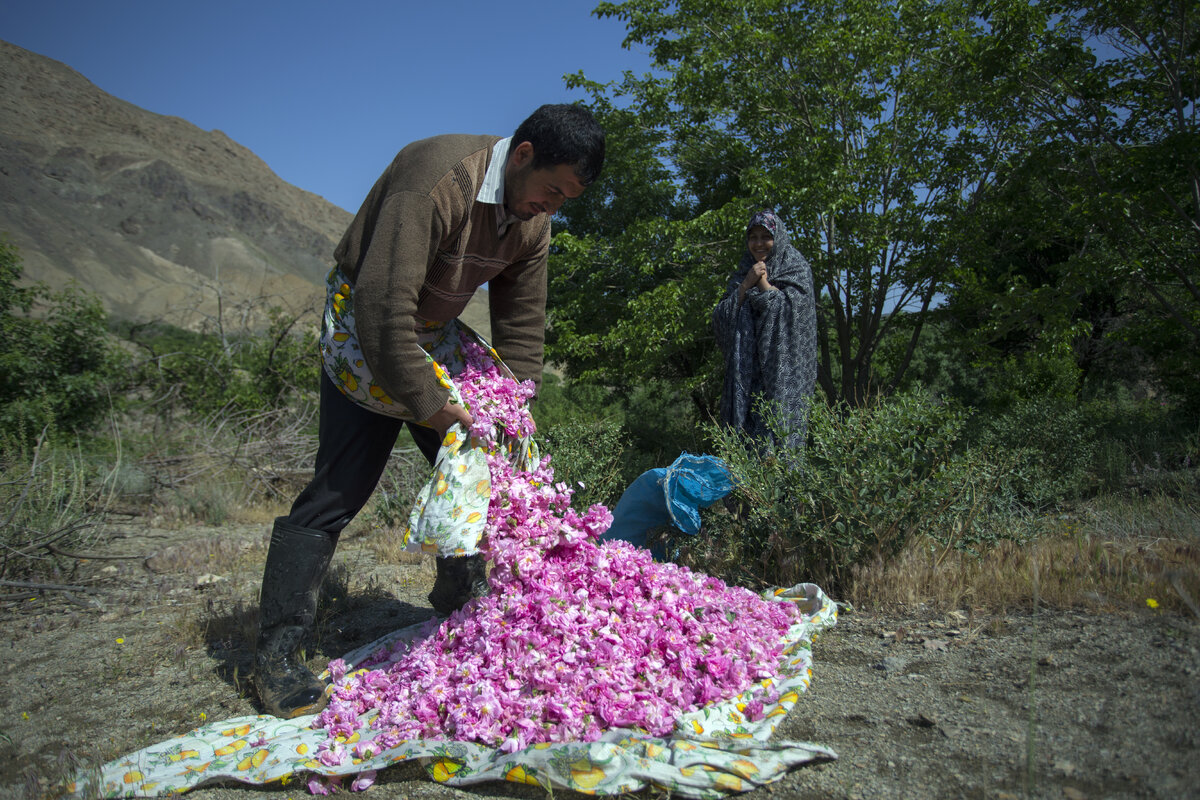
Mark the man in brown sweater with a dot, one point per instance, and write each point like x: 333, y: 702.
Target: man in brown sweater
x: 449, y: 214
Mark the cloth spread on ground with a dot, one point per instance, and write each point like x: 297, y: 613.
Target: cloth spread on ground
x: 713, y: 751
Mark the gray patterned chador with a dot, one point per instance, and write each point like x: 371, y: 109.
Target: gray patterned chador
x: 766, y: 325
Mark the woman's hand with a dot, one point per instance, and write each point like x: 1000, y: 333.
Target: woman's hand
x: 755, y: 276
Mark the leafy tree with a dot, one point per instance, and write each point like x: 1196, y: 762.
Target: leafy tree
x: 57, y: 364
x: 861, y: 121
x: 1113, y: 98
x: 618, y: 273
x: 1087, y: 245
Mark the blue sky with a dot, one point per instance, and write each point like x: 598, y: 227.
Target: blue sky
x: 327, y: 92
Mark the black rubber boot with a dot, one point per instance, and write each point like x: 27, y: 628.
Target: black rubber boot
x: 296, y: 563
x: 459, y: 579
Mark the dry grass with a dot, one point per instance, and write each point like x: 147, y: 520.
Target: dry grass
x: 1114, y: 554
x: 225, y: 556
x: 227, y: 568
x: 50, y: 505
x: 386, y: 545
x: 228, y: 467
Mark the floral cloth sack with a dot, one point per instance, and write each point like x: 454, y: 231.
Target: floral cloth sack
x: 451, y: 510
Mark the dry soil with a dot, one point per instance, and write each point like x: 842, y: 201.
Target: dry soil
x: 1057, y: 704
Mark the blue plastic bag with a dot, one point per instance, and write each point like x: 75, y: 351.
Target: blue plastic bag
x: 670, y: 495
x: 693, y: 483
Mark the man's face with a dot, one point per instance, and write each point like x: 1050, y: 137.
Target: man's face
x: 529, y: 192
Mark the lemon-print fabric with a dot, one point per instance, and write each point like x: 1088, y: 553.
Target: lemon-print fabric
x: 451, y: 510
x: 344, y: 363
x: 714, y: 752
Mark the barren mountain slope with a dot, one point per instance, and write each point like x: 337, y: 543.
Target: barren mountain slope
x: 148, y: 211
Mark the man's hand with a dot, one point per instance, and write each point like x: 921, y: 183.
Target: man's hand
x: 450, y: 414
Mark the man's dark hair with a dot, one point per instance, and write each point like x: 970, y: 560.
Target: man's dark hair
x: 564, y: 134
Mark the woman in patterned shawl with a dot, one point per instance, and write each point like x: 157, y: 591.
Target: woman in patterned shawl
x: 766, y: 325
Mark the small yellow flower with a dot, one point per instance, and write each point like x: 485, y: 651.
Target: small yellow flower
x: 120, y: 640
x: 1150, y: 601
x: 203, y: 716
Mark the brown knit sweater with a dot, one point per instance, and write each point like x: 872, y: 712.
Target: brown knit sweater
x: 419, y: 248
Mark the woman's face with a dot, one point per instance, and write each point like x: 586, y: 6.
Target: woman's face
x: 759, y: 242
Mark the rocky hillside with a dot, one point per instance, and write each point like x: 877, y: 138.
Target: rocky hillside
x: 161, y: 219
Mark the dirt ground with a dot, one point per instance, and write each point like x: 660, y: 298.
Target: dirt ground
x: 1057, y: 705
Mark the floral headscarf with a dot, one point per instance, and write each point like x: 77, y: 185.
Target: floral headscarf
x: 767, y: 219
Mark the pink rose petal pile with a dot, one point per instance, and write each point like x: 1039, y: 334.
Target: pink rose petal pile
x: 576, y: 636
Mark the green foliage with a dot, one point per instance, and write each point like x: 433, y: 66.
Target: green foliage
x: 1049, y: 445
x: 637, y: 271
x: 1140, y: 439
x: 635, y: 312
x: 583, y: 431
x: 661, y: 424
x: 647, y: 426
x: 58, y: 367
x: 560, y: 401
x: 254, y: 371
x: 1028, y: 415
x: 867, y: 125
x: 1155, y: 350
x: 872, y: 478
x: 1093, y: 230
x: 1017, y: 379
x: 1031, y: 163
x: 587, y: 455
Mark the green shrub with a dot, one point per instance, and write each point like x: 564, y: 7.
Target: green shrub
x: 561, y: 401
x: 1049, y: 445
x: 871, y: 479
x: 1137, y: 435
x: 252, y: 371
x: 587, y: 455
x: 660, y: 423
x: 656, y: 423
x: 57, y: 364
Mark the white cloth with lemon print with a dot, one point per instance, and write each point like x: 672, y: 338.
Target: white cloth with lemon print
x: 451, y: 510
x: 713, y: 752
x: 346, y: 366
